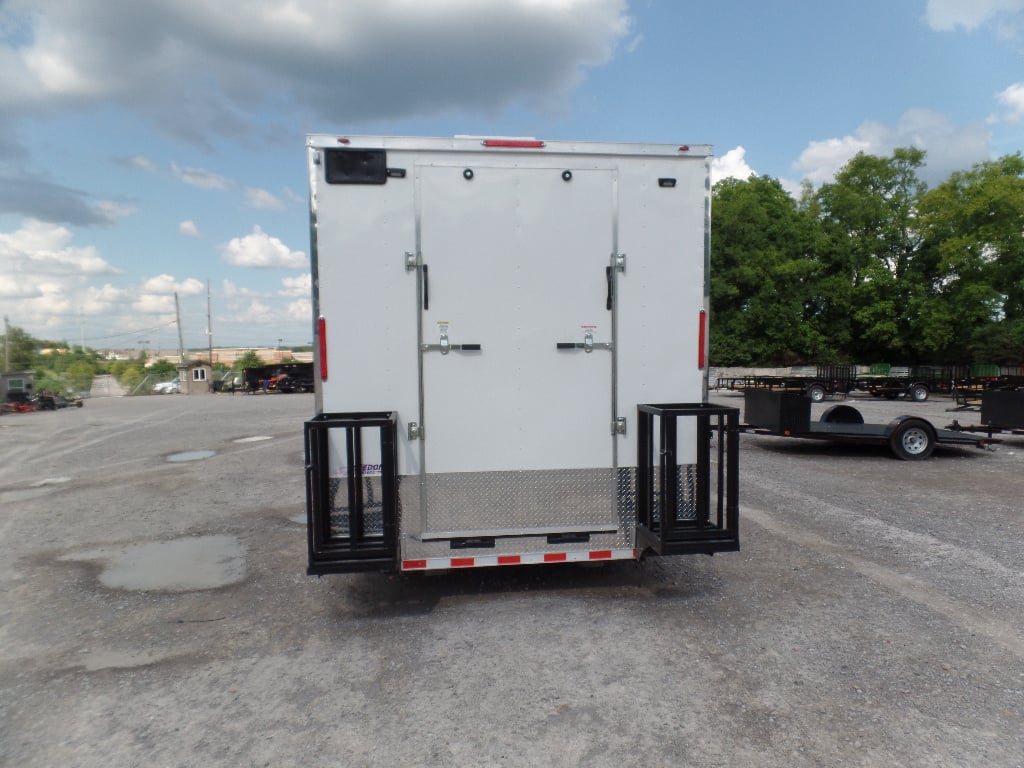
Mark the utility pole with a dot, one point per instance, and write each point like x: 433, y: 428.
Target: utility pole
x: 209, y: 330
x: 7, y: 345
x: 181, y: 340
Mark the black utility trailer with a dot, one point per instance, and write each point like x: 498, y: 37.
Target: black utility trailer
x: 788, y: 414
x: 1002, y: 411
x: 817, y: 384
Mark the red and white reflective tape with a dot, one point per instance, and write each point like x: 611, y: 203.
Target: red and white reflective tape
x: 532, y: 558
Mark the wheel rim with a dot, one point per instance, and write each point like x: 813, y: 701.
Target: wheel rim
x: 920, y: 393
x: 915, y: 441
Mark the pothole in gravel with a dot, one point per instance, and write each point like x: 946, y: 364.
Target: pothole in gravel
x: 191, y: 455
x: 182, y: 565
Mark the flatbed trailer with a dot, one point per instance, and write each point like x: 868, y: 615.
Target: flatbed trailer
x: 825, y: 380
x: 1002, y: 412
x: 788, y: 414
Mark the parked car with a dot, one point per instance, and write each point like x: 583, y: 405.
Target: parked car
x: 171, y: 387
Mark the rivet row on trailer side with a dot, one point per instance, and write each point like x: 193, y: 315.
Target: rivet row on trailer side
x: 510, y: 355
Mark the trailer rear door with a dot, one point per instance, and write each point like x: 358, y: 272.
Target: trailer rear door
x: 516, y: 357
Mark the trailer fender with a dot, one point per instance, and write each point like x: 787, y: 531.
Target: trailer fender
x: 910, y: 438
x: 841, y: 414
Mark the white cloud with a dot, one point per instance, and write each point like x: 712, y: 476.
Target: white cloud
x: 111, y: 211
x: 168, y: 285
x: 731, y: 165
x: 949, y: 147
x: 188, y: 229
x: 152, y: 303
x: 944, y: 15
x: 196, y: 72
x: 297, y: 286
x: 142, y: 164
x: 40, y: 248
x: 259, y: 249
x: 1013, y: 99
x: 201, y: 178
x: 301, y: 310
x: 97, y: 300
x: 263, y: 200
x: 44, y: 277
x: 257, y: 312
x: 231, y: 290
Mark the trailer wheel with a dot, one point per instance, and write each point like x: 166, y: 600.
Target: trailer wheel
x: 919, y: 393
x: 912, y: 440
x: 816, y: 392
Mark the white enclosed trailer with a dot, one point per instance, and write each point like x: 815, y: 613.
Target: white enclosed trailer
x: 510, y: 355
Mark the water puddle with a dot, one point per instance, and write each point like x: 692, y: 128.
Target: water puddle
x: 253, y: 439
x: 191, y: 455
x: 182, y: 565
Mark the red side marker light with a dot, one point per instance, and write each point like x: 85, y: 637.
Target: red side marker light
x: 321, y: 333
x: 702, y: 336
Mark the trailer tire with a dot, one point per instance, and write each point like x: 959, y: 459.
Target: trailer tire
x: 919, y: 393
x: 912, y: 439
x: 816, y: 392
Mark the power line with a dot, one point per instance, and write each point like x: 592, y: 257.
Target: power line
x: 129, y: 333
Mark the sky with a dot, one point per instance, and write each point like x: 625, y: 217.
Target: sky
x: 157, y: 147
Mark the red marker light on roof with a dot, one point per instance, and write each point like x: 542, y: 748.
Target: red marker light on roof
x: 684, y: 148
x: 514, y: 143
x: 343, y: 140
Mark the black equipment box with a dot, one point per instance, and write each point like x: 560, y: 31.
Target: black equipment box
x: 784, y: 412
x: 1003, y: 408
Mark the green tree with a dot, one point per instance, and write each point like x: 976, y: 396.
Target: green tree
x: 163, y: 370
x: 19, y: 350
x: 973, y: 229
x: 249, y: 360
x: 869, y: 239
x: 761, y: 277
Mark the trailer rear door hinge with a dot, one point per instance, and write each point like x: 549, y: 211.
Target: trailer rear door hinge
x: 619, y: 262
x: 619, y: 426
x: 415, y: 431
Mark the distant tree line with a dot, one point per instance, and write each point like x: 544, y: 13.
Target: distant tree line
x: 59, y: 367
x: 872, y: 267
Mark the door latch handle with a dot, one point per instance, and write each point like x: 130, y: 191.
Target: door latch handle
x: 445, y: 346
x: 588, y: 344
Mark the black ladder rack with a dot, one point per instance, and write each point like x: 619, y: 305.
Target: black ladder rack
x: 684, y: 508
x: 352, y: 519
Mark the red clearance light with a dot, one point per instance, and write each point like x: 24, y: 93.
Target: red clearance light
x: 343, y: 140
x: 321, y: 333
x: 514, y: 143
x: 702, y: 336
x: 684, y: 148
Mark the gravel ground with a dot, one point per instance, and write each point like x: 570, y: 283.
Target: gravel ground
x: 156, y: 612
